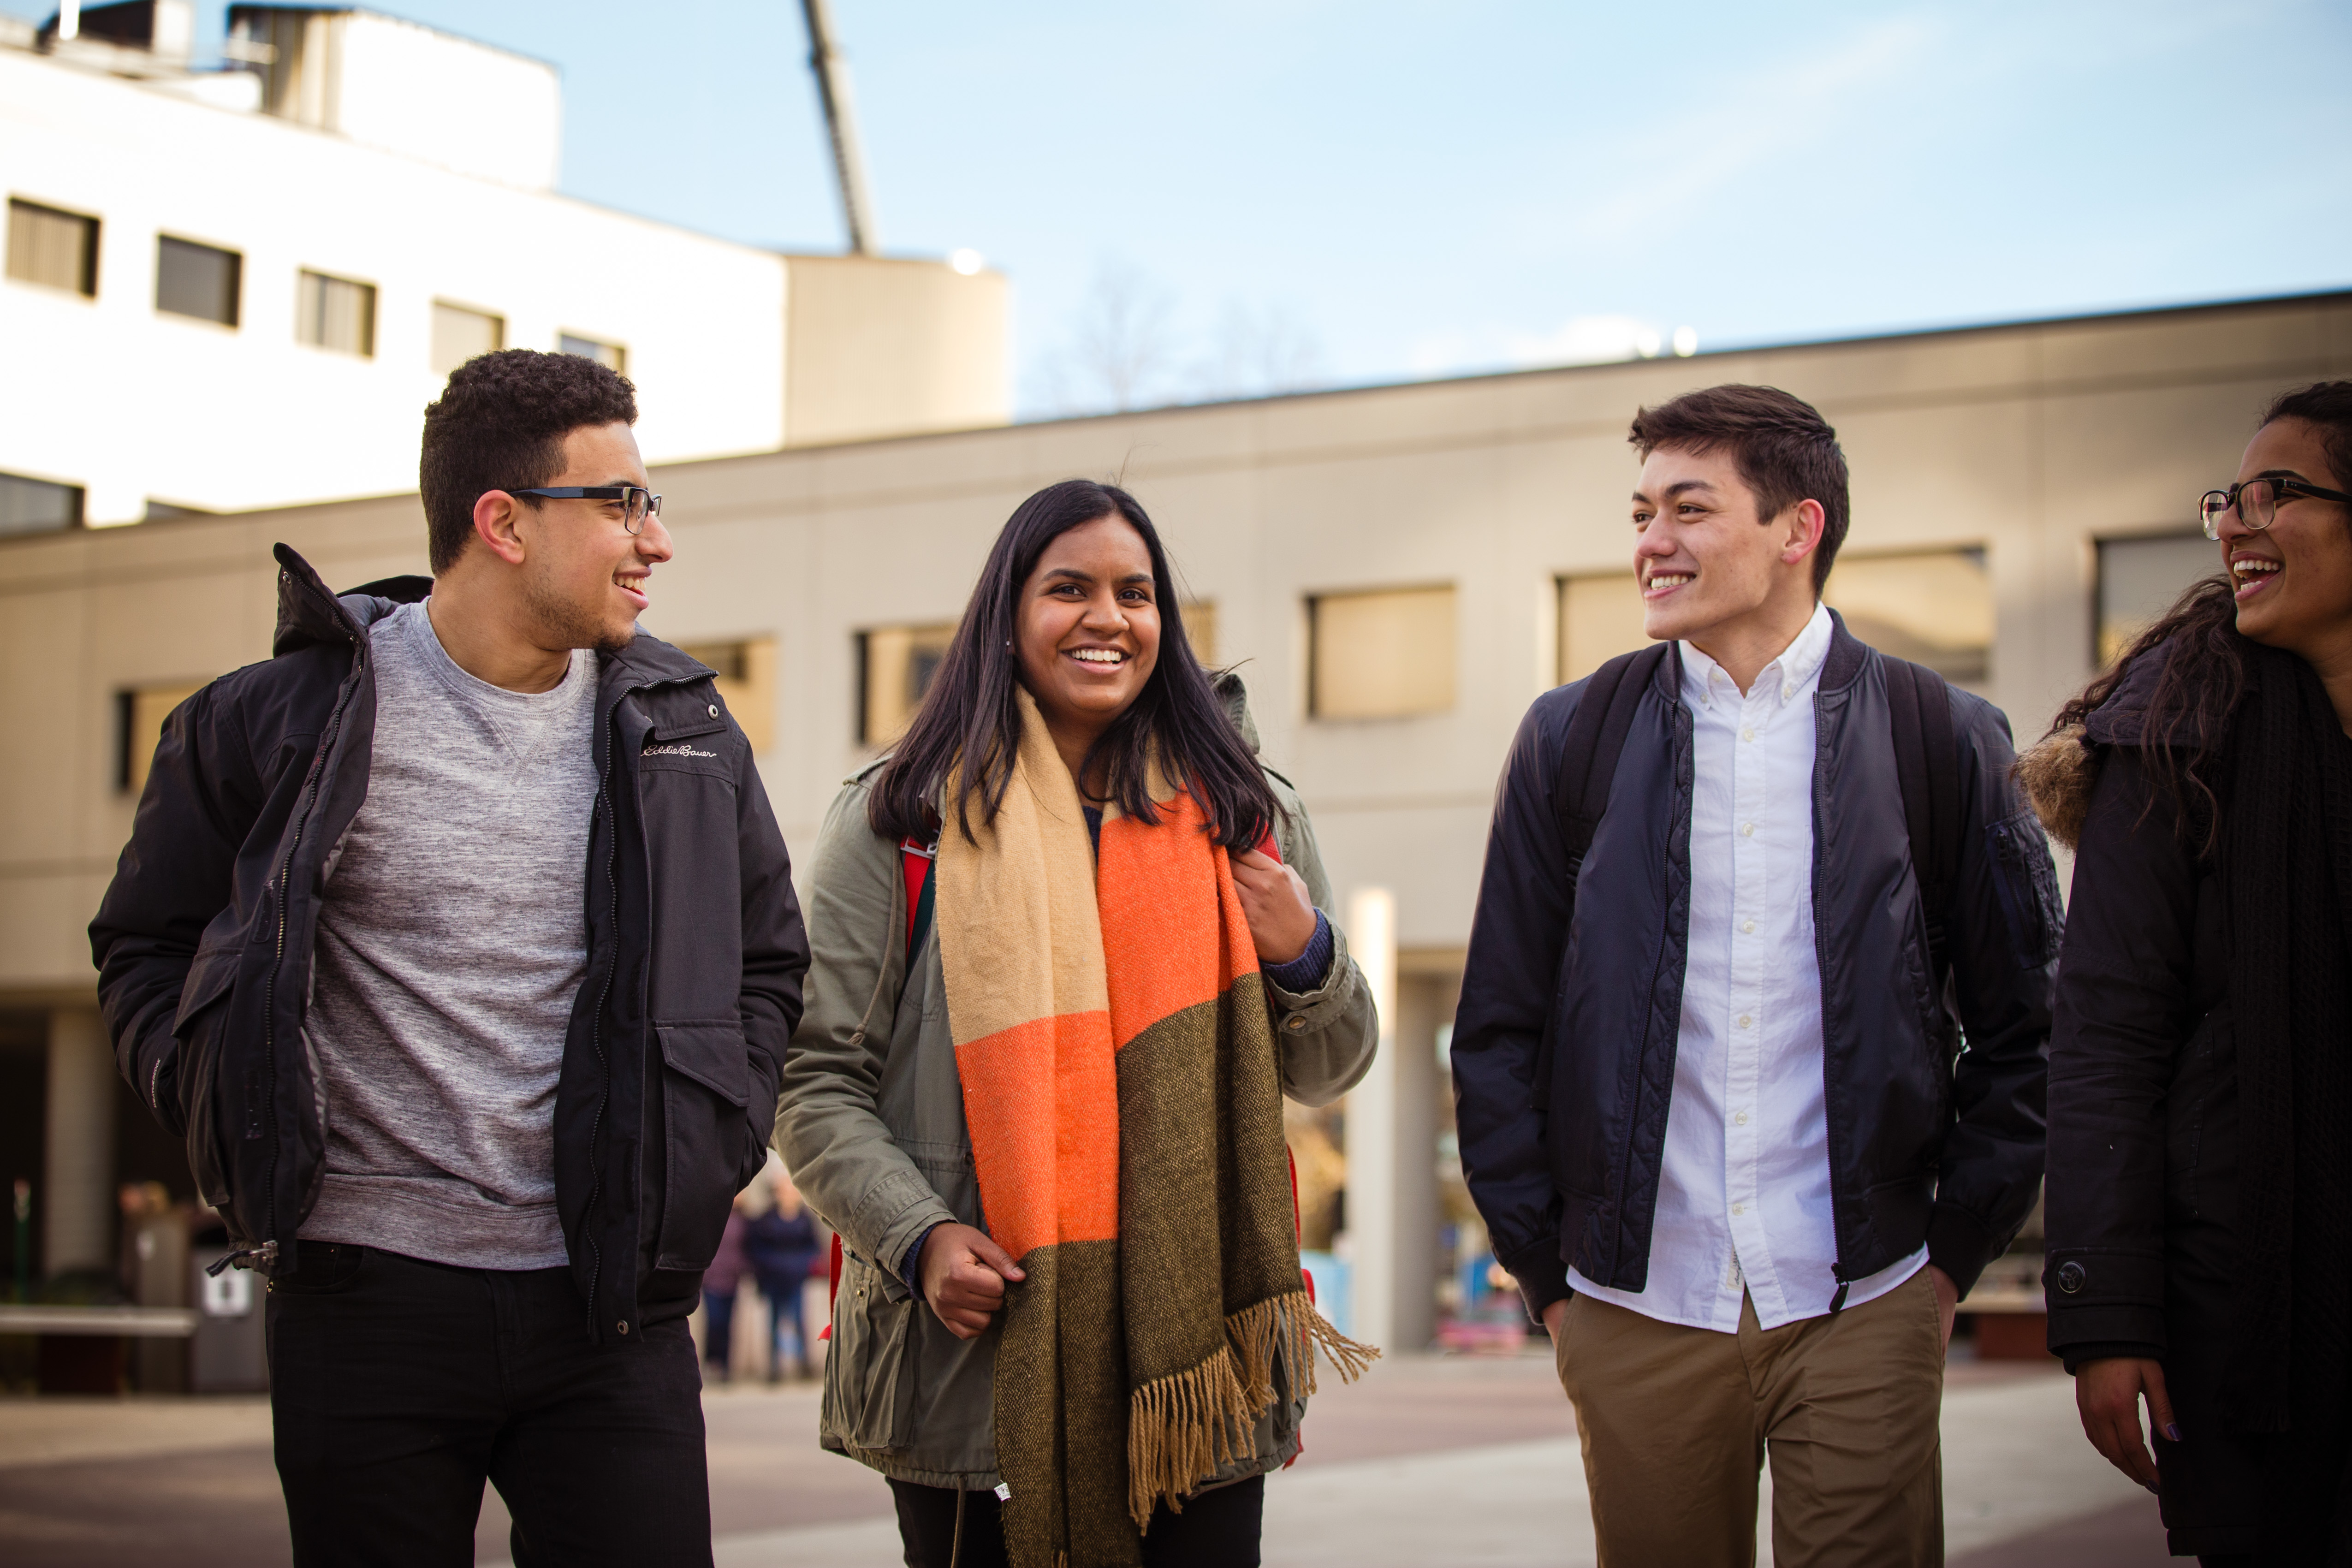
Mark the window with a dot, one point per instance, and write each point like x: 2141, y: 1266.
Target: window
x: 606, y: 354
x: 337, y: 313
x: 1933, y: 608
x: 1600, y: 617
x: 56, y: 249
x: 460, y: 334
x: 2138, y: 581
x: 746, y: 682
x: 33, y: 505
x: 1387, y: 654
x: 138, y: 716
x: 895, y: 666
x: 198, y: 280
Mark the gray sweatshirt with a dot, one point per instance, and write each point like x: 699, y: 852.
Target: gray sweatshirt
x: 450, y: 950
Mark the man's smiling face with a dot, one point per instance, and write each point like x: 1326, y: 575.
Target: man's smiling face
x: 586, y: 578
x: 1702, y: 556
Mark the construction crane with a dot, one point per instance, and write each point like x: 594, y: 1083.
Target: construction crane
x: 841, y: 120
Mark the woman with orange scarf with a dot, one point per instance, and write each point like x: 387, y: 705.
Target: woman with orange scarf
x: 1067, y: 962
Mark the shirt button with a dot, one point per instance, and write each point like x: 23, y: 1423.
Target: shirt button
x: 1739, y: 1118
x: 714, y: 710
x: 1743, y: 1020
x: 1747, y: 734
x: 1740, y: 1208
x: 1748, y: 926
x: 1747, y: 830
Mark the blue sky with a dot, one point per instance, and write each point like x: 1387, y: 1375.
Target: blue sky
x: 1374, y: 191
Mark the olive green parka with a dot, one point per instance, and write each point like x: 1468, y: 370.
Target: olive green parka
x: 871, y: 1123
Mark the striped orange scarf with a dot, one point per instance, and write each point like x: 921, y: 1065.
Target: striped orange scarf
x: 1119, y: 1081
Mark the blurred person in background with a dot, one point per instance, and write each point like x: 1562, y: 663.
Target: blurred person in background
x: 781, y: 1244
x: 1710, y: 1099
x: 2200, y: 1213
x: 722, y: 1284
x: 1069, y: 958
x: 388, y: 946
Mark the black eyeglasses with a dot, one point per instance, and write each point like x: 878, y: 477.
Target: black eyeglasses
x: 636, y: 505
x: 2256, y: 501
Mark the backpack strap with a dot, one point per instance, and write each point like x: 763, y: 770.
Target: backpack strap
x: 1926, y: 765
x: 915, y: 863
x: 1595, y: 739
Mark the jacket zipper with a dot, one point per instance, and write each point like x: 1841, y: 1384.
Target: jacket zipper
x: 267, y: 1252
x: 1821, y: 964
x: 596, y: 1027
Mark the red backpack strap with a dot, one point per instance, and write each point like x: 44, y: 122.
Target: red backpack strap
x: 833, y: 1291
x: 915, y: 863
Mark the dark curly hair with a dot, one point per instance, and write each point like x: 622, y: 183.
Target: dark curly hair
x: 499, y: 424
x: 1783, y: 447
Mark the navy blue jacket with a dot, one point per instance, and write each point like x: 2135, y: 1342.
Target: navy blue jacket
x: 1564, y: 1041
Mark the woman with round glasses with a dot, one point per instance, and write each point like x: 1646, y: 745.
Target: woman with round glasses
x: 2200, y: 1197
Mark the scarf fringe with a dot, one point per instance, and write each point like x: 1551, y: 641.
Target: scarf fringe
x: 1182, y: 1428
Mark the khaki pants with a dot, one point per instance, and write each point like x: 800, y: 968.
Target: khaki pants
x: 1676, y: 1422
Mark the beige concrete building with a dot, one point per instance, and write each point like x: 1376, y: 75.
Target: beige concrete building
x: 1398, y: 570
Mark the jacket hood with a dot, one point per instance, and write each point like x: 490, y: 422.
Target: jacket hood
x: 2059, y: 773
x: 310, y: 613
x: 1235, y: 697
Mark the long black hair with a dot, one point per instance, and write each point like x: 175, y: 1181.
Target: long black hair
x: 970, y: 718
x: 2202, y: 674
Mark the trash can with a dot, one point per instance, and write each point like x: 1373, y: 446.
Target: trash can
x: 228, y: 1354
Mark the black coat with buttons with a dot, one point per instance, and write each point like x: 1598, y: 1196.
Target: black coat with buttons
x: 2143, y: 1145
x: 696, y: 951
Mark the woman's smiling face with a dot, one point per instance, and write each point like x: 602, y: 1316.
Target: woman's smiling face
x: 1090, y: 621
x: 2293, y: 578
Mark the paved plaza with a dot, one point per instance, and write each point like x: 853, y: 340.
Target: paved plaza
x: 1429, y: 1462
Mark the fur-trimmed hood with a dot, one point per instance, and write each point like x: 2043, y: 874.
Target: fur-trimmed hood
x: 2059, y: 772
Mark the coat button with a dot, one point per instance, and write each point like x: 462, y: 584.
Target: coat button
x: 1296, y: 1023
x: 714, y: 710
x: 624, y: 1325
x: 2072, y: 1277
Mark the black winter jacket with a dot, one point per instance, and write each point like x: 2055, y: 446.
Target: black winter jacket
x: 667, y: 1088
x: 1564, y: 1042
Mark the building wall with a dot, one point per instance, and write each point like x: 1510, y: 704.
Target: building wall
x: 878, y: 347
x: 2033, y: 442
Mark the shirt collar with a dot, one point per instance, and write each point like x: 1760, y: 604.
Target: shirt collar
x: 1787, y: 678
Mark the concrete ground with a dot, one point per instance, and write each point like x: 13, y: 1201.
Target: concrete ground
x: 1429, y: 1462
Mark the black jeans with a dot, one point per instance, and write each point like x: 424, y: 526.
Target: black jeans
x: 1217, y: 1529
x: 397, y: 1388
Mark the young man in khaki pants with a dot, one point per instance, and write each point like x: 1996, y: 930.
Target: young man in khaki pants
x: 1710, y: 1098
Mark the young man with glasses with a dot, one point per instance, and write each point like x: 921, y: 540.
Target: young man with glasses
x: 1708, y: 1095
x: 459, y: 941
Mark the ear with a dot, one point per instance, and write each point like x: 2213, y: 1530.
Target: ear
x: 498, y: 517
x: 1803, y: 523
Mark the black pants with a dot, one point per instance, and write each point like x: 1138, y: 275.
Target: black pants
x: 397, y: 1388
x: 1217, y: 1529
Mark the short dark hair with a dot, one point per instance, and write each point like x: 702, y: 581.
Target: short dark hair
x: 1785, y: 451
x: 499, y: 424
x: 969, y: 722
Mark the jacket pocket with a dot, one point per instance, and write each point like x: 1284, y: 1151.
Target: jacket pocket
x: 869, y: 1385
x: 706, y: 1085
x: 207, y: 1000
x: 2028, y: 885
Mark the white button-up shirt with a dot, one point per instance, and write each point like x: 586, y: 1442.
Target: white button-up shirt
x: 1744, y: 1187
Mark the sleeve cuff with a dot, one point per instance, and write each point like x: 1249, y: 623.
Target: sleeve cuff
x: 910, y: 1265
x: 1542, y: 1277
x: 2075, y: 1355
x: 1306, y: 973
x: 1960, y: 1244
